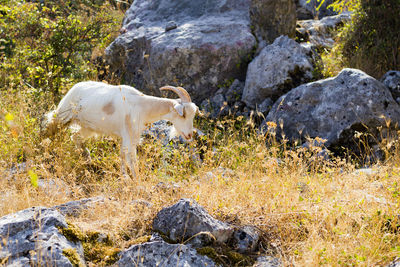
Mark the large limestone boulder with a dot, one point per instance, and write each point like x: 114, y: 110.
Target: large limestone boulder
x: 197, y: 44
x: 160, y: 253
x: 187, y: 218
x: 31, y: 238
x: 334, y: 108
x: 279, y: 67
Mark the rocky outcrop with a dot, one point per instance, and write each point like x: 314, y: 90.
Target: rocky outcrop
x: 279, y: 67
x: 320, y: 33
x: 186, y: 235
x: 31, y: 238
x: 186, y: 218
x: 197, y: 44
x: 334, y: 108
x: 392, y: 80
x: 160, y: 253
x: 310, y: 9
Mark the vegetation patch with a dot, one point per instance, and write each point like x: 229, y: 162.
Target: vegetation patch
x: 98, y: 248
x: 73, y: 257
x: 225, y: 256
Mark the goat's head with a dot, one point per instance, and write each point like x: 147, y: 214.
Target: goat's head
x: 183, y: 112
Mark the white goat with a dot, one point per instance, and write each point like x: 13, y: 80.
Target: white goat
x: 121, y: 111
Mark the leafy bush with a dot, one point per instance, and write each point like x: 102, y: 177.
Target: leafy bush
x: 49, y: 45
x: 372, y: 42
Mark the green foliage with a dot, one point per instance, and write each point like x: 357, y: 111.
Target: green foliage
x: 340, y: 5
x: 96, y: 249
x: 73, y: 257
x: 51, y: 45
x: 372, y: 41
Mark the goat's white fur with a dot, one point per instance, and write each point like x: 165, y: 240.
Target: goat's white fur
x: 121, y: 111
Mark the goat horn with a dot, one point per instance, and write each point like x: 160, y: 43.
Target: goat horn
x: 181, y: 92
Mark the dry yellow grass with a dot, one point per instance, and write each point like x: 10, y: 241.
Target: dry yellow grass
x: 311, y: 212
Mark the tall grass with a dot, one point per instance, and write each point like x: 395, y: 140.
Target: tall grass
x: 311, y: 211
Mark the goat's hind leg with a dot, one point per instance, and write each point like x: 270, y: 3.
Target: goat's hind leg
x: 127, y: 153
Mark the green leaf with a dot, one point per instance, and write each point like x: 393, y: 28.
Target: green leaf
x: 34, y: 178
x: 9, y: 117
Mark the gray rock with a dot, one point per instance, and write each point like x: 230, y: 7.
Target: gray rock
x: 160, y: 130
x: 75, y: 208
x: 309, y: 10
x: 215, y: 107
x: 160, y: 253
x: 395, y: 263
x: 334, y: 108
x: 170, y: 26
x: 32, y: 237
x: 265, y: 106
x: 141, y: 202
x: 321, y: 33
x: 392, y: 80
x: 279, y: 67
x: 187, y: 218
x: 246, y: 239
x: 212, y: 44
x: 267, y: 261
x: 54, y: 187
x: 234, y: 92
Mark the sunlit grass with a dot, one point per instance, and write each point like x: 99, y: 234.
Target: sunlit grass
x: 311, y: 211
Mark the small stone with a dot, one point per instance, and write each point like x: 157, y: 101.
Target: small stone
x: 267, y: 261
x: 265, y: 106
x: 392, y: 80
x: 246, y: 239
x: 170, y: 26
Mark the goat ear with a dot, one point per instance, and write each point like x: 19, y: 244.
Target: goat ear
x: 180, y: 109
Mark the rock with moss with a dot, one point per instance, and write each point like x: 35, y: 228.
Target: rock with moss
x: 210, y: 42
x: 187, y: 218
x: 160, y: 253
x: 32, y: 237
x: 279, y: 67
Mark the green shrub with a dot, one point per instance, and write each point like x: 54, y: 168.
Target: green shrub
x: 50, y: 45
x: 372, y: 42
